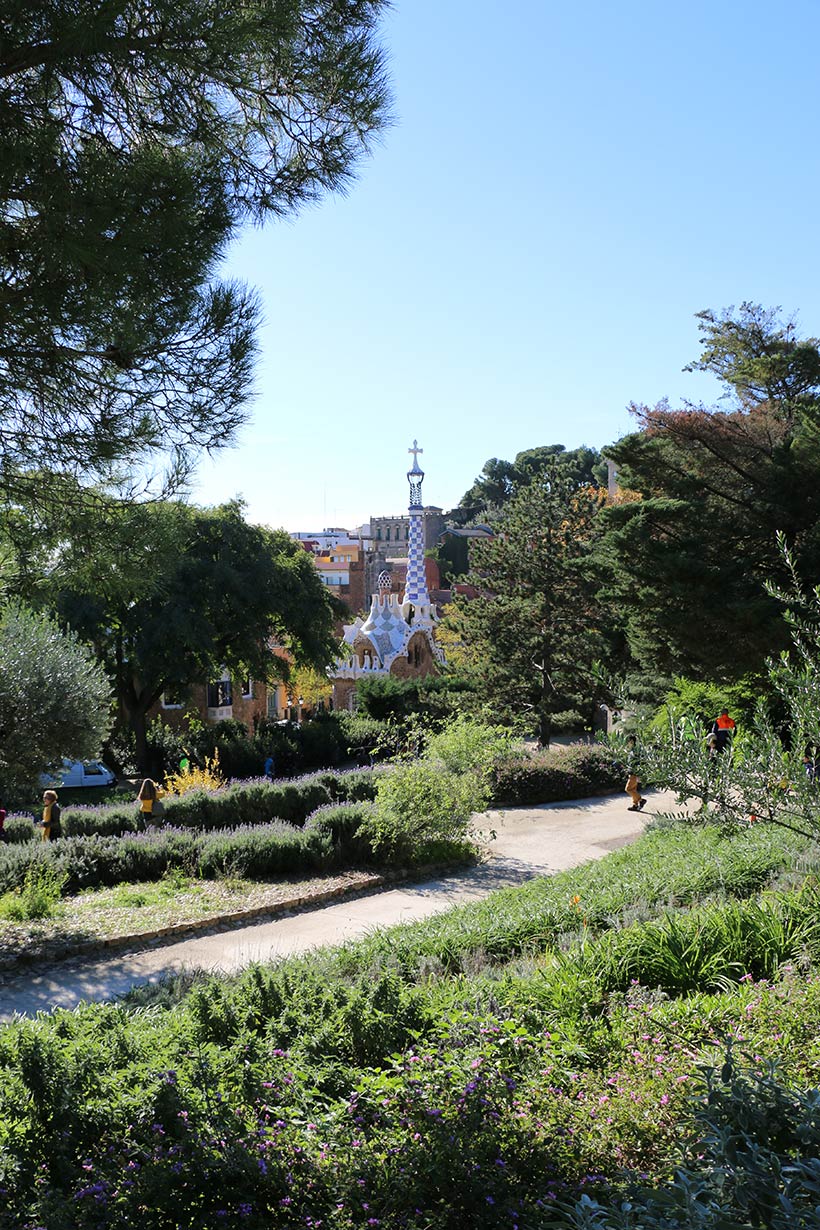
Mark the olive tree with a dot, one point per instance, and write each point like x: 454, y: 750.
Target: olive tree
x: 771, y: 773
x: 54, y: 698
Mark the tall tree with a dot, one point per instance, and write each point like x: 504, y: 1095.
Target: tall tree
x: 690, y: 553
x: 182, y: 593
x: 135, y: 136
x: 534, y: 631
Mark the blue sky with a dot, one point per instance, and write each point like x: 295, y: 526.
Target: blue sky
x: 524, y: 252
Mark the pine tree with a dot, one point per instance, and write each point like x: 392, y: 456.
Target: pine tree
x: 135, y: 136
x: 533, y: 632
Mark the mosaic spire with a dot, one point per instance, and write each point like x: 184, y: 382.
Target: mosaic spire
x: 415, y: 591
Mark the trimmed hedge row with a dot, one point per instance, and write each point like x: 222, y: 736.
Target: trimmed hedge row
x: 253, y: 852
x: 553, y: 775
x: 257, y: 801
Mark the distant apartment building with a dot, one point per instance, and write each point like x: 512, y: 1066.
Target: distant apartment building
x: 342, y: 569
x: 326, y: 540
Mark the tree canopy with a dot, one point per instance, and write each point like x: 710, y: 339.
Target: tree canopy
x: 691, y: 548
x: 182, y: 593
x: 500, y: 480
x: 134, y: 137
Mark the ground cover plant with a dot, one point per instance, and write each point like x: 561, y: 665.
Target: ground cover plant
x: 532, y: 1065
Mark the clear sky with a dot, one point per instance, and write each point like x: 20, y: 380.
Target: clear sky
x: 565, y: 185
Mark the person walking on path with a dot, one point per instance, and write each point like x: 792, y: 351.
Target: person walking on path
x: 149, y: 800
x: 632, y: 787
x: 723, y: 728
x: 51, y: 816
x: 270, y: 768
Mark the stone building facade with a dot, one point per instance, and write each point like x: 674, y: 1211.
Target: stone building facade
x: 391, y: 535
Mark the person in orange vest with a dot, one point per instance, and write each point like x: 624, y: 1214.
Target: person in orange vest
x: 723, y: 728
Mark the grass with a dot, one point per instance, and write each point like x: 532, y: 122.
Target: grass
x: 474, y: 1069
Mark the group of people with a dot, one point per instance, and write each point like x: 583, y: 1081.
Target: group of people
x: 149, y: 799
x: 719, y: 738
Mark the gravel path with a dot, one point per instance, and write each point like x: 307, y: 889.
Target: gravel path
x: 530, y: 842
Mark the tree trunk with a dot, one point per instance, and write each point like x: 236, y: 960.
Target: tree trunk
x: 136, y: 717
x: 544, y: 727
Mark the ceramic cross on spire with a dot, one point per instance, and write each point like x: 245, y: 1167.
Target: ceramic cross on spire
x: 415, y: 450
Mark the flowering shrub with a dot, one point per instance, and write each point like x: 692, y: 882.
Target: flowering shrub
x: 552, y: 775
x: 256, y: 801
x: 196, y: 777
x: 88, y: 862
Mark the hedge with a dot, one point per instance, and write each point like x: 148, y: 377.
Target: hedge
x: 254, y: 852
x: 257, y: 801
x: 553, y: 775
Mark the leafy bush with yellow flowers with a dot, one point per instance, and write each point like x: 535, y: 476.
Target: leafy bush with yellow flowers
x: 207, y: 776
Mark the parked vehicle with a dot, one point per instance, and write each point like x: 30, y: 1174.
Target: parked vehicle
x: 79, y: 773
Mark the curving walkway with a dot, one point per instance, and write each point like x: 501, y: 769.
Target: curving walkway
x: 530, y: 842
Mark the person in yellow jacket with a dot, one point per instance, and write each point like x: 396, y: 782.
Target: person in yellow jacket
x: 149, y: 800
x: 51, y: 816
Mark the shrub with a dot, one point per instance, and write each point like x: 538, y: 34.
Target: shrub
x: 89, y: 862
x: 467, y: 746
x: 39, y: 895
x: 257, y: 852
x: 420, y: 809
x: 552, y: 775
x: 343, y: 824
x: 20, y: 828
x: 196, y: 777
x: 360, y: 733
x: 385, y: 697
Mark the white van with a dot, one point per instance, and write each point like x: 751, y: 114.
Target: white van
x: 79, y: 773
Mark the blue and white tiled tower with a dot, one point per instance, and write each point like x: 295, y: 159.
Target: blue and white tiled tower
x: 416, y: 606
x: 415, y: 589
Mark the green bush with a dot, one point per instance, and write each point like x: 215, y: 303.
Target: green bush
x: 20, y: 828
x: 343, y: 824
x: 467, y: 746
x: 360, y: 733
x: 39, y: 895
x: 420, y: 811
x: 552, y: 775
x: 387, y: 698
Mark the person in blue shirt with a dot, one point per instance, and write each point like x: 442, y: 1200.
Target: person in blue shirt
x: 269, y: 767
